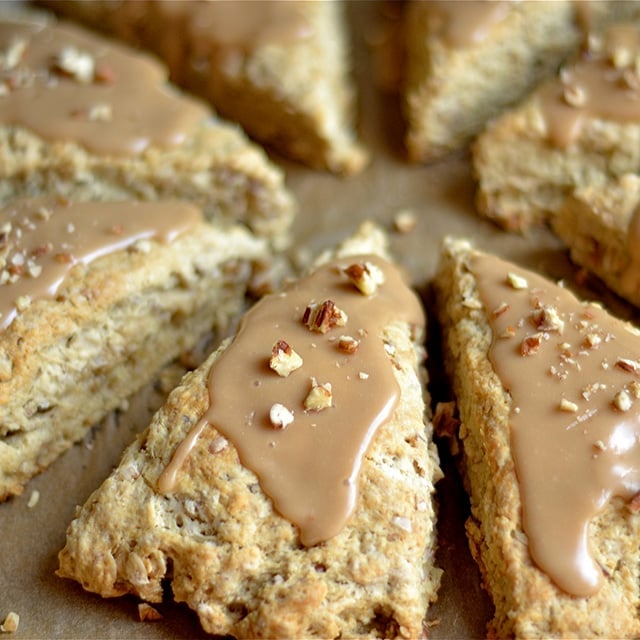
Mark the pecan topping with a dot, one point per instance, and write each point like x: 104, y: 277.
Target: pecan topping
x: 365, y: 276
x: 279, y: 416
x: 76, y: 64
x: 515, y: 281
x: 630, y: 366
x: 622, y: 401
x: 546, y: 318
x: 348, y: 345
x: 284, y: 360
x: 531, y: 344
x: 319, y: 397
x: 323, y: 317
x: 634, y: 504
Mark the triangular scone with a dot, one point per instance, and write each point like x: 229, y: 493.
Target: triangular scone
x: 468, y: 61
x: 580, y: 129
x: 600, y: 226
x: 548, y: 395
x: 84, y: 117
x: 94, y: 299
x: 183, y: 508
x: 279, y: 69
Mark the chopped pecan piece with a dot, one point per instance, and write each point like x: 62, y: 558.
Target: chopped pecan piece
x: 365, y: 276
x: 622, y: 401
x: 320, y: 396
x: 323, y: 317
x: 546, y: 318
x: 531, y: 344
x: 515, y: 281
x: 279, y: 416
x: 284, y: 360
x: 348, y: 345
x: 147, y: 612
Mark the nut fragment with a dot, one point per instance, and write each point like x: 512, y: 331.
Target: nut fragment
x: 147, y: 612
x: 405, y: 221
x: 567, y: 405
x: 323, y: 317
x: 77, y: 64
x: 515, y: 281
x: 634, y: 504
x: 622, y: 401
x: 574, y: 95
x: 284, y: 360
x: 366, y: 276
x: 279, y: 416
x: 348, y: 345
x: 630, y: 366
x: 531, y: 344
x: 546, y: 318
x: 320, y: 396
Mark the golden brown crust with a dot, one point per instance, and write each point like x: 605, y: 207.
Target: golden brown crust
x: 594, y: 224
x: 296, y: 97
x: 238, y: 563
x: 65, y: 363
x: 527, y: 603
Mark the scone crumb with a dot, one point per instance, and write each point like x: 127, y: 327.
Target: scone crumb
x: 323, y: 317
x: 22, y: 302
x: 148, y: 613
x: 405, y: 221
x: 284, y: 360
x: 33, y: 499
x: 279, y: 416
x: 11, y: 622
x: 348, y: 344
x: 320, y: 396
x: 445, y: 423
x: 365, y: 276
x: 515, y: 281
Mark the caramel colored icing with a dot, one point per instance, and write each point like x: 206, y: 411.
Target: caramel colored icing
x: 249, y: 24
x: 66, y: 85
x: 302, y: 390
x: 41, y: 240
x: 468, y: 23
x: 572, y: 371
x: 604, y: 83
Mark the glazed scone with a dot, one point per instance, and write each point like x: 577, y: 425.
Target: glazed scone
x: 600, y: 227
x: 351, y: 558
x: 282, y: 70
x: 466, y: 62
x: 547, y: 393
x: 95, y: 298
x: 577, y: 130
x: 87, y: 118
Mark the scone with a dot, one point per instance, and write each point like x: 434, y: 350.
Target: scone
x: 280, y: 69
x: 466, y: 62
x: 600, y: 226
x: 285, y: 489
x: 94, y: 299
x: 83, y: 117
x: 583, y: 128
x: 549, y: 401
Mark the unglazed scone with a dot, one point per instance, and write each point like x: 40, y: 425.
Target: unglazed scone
x: 95, y: 298
x: 280, y: 69
x: 600, y: 226
x: 548, y: 398
x: 84, y: 117
x: 351, y: 557
x: 466, y: 62
x: 577, y: 130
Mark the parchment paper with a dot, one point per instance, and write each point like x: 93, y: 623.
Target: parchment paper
x: 441, y: 196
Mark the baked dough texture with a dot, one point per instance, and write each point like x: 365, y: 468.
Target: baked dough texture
x: 295, y: 96
x: 234, y: 560
x: 66, y: 362
x: 216, y: 167
x: 527, y: 603
x: 594, y: 223
x: 452, y: 91
x: 523, y: 177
